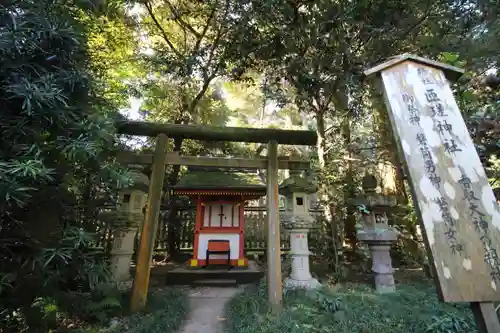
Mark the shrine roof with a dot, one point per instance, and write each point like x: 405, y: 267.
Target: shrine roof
x: 451, y: 72
x: 214, y: 179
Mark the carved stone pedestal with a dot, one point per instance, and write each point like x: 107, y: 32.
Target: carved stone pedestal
x: 121, y: 254
x: 379, y: 241
x: 130, y: 215
x: 298, y: 226
x: 376, y: 232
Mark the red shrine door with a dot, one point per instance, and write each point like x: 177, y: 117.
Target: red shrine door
x: 220, y: 215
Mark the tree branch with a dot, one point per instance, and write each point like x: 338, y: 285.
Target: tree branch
x: 160, y: 28
x: 201, y: 93
x: 212, y: 52
x: 329, y: 129
x: 416, y: 24
x: 180, y: 21
x: 205, y: 28
x: 213, y: 47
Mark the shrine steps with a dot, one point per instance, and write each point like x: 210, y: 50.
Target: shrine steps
x: 214, y: 276
x: 216, y: 283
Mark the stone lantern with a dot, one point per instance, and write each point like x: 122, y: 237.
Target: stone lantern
x: 131, y: 202
x: 297, y: 220
x: 377, y: 233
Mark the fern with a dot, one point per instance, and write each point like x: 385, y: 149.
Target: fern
x: 328, y: 303
x: 351, y: 308
x: 449, y: 323
x: 101, y: 309
x: 98, y: 306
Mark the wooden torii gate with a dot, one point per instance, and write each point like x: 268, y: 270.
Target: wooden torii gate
x: 161, y: 158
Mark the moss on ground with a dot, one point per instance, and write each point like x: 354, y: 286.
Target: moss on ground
x: 165, y: 312
x: 353, y: 308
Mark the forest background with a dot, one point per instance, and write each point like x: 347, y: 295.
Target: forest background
x: 70, y: 69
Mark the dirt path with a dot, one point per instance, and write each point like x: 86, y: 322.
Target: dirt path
x: 207, y: 305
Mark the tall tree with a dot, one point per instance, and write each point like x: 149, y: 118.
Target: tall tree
x: 320, y: 48
x: 191, y: 44
x: 56, y: 139
x: 112, y: 46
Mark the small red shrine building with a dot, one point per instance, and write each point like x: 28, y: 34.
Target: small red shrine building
x: 220, y: 197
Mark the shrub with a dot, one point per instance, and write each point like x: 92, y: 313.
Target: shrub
x: 95, y: 306
x: 165, y: 312
x: 56, y: 164
x: 351, y: 308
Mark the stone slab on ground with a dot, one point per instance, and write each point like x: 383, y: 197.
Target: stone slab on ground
x: 207, y: 305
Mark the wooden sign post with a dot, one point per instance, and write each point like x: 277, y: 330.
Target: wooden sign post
x: 454, y: 201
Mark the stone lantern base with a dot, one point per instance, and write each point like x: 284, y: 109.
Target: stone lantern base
x: 379, y: 240
x: 311, y: 283
x: 298, y: 227
x: 121, y: 254
x: 120, y: 266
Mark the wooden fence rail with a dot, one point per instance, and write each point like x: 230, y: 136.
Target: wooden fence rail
x: 255, y: 230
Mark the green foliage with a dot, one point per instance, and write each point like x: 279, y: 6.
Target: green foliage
x: 105, y: 307
x: 74, y: 263
x: 56, y: 163
x: 46, y: 312
x: 449, y: 323
x: 103, y: 302
x: 112, y: 47
x: 166, y: 309
x: 351, y: 308
x: 188, y: 53
x: 329, y: 303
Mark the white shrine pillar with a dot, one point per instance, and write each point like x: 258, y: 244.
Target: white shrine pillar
x: 297, y: 220
x: 131, y: 203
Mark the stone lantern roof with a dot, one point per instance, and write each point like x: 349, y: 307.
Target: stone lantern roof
x: 139, y: 181
x: 296, y: 183
x: 371, y: 199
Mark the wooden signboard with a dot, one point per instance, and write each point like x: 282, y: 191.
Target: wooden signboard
x: 458, y: 210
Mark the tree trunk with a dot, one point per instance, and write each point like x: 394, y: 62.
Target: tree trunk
x: 342, y: 105
x: 349, y: 189
x: 321, y: 143
x: 326, y: 199
x: 171, y: 221
x: 89, y: 205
